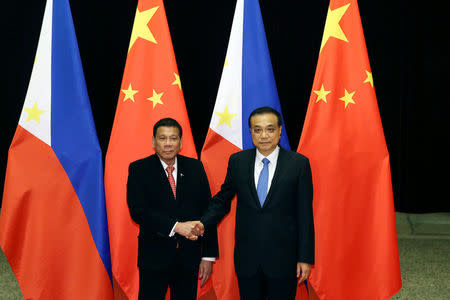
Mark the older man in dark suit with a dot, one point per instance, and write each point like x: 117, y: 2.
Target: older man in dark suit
x: 274, y: 238
x: 165, y: 190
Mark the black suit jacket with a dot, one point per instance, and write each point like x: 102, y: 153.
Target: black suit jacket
x: 153, y: 206
x: 281, y: 233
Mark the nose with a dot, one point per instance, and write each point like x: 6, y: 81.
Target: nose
x: 264, y: 134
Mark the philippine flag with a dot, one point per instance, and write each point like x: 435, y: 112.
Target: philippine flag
x: 53, y: 227
x: 247, y: 83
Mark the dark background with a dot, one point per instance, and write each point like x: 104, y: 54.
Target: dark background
x: 407, y: 45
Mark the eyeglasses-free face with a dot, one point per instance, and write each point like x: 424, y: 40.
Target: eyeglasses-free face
x: 167, y: 143
x: 266, y: 132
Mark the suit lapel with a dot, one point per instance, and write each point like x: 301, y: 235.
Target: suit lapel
x: 282, y: 163
x: 180, y: 178
x: 251, y: 177
x: 157, y: 165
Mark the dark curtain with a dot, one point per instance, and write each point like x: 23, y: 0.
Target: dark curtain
x: 407, y: 45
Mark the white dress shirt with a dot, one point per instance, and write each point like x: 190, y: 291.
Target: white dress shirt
x: 175, y: 173
x: 273, y: 158
x: 175, y: 170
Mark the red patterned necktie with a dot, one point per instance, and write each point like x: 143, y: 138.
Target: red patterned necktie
x: 169, y: 170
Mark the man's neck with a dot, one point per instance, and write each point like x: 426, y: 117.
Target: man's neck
x: 169, y: 163
x: 266, y: 153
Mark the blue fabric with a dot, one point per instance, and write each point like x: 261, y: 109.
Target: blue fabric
x: 258, y: 82
x: 263, y: 182
x: 73, y: 134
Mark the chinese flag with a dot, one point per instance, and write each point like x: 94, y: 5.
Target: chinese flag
x: 356, y: 243
x: 150, y: 90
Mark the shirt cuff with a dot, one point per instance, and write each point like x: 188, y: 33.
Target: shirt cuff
x: 172, y: 232
x: 213, y: 259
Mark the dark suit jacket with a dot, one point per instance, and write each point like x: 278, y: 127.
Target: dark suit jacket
x: 153, y: 206
x: 281, y: 233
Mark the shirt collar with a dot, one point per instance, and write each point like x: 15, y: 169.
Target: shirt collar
x: 272, y: 157
x: 166, y: 165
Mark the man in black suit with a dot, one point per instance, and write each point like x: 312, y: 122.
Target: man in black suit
x: 274, y: 237
x: 165, y: 190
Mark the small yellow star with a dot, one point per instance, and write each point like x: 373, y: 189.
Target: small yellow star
x: 177, y: 80
x: 226, y: 63
x: 225, y: 117
x: 332, y: 28
x: 156, y: 98
x: 322, y: 94
x: 129, y: 93
x: 369, y: 78
x: 140, y: 26
x: 348, y: 98
x: 34, y: 113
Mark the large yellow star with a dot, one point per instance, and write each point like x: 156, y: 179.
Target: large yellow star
x: 156, y: 98
x: 177, y: 80
x: 34, y: 113
x: 348, y: 98
x: 332, y: 28
x: 140, y: 27
x: 369, y: 78
x: 322, y: 94
x: 225, y: 117
x: 129, y: 93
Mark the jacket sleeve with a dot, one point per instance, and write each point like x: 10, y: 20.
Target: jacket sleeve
x: 305, y: 214
x: 210, y: 247
x: 220, y: 204
x: 157, y: 222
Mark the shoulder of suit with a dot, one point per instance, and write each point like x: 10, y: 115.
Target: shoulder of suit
x: 142, y: 161
x: 243, y: 154
x: 293, y: 155
x: 188, y: 160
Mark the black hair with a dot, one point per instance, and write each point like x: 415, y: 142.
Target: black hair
x: 167, y: 122
x: 265, y: 110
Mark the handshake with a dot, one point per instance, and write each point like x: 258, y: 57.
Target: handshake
x: 190, y: 230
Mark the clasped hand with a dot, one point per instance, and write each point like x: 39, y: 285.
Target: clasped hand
x: 190, y: 230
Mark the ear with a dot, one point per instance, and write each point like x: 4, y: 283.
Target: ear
x: 181, y: 143
x: 153, y: 142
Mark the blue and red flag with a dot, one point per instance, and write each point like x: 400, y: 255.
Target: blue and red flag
x: 53, y: 226
x: 247, y: 83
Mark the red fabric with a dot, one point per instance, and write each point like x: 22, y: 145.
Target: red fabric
x: 356, y: 243
x: 43, y: 229
x: 172, y: 180
x: 215, y: 154
x: 150, y: 68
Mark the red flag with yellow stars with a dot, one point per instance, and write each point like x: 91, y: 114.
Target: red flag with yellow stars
x: 150, y: 90
x: 356, y: 243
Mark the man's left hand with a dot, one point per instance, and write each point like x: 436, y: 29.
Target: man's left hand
x: 204, y: 271
x: 303, y: 270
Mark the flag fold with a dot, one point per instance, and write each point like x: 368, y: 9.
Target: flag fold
x: 53, y: 226
x: 151, y: 90
x: 247, y: 83
x: 356, y: 243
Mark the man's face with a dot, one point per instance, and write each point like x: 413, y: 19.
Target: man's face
x: 167, y: 143
x: 265, y: 132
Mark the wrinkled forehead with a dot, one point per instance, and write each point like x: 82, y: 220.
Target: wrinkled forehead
x: 167, y: 131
